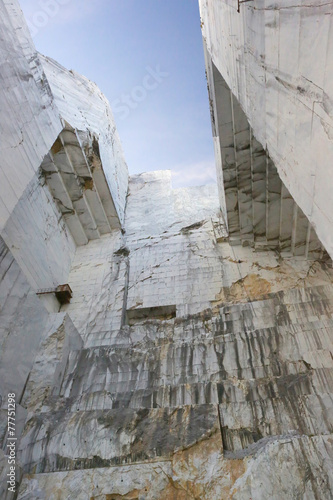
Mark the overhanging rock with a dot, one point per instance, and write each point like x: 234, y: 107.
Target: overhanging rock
x: 74, y: 173
x: 276, y: 58
x: 260, y: 211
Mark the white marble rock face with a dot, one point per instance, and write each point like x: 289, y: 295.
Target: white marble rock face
x: 276, y: 57
x: 184, y: 366
x: 30, y: 120
x: 81, y: 103
x: 196, y: 404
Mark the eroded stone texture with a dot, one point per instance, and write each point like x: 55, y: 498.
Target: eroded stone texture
x: 66, y: 440
x: 232, y: 365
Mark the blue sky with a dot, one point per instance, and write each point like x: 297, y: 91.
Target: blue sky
x: 147, y: 58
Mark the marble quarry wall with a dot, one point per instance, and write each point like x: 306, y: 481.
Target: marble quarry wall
x: 202, y: 365
x: 277, y: 60
x: 29, y: 119
x: 194, y: 359
x: 58, y: 190
x: 63, y: 175
x: 85, y: 107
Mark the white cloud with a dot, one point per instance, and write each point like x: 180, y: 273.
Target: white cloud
x: 193, y: 174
